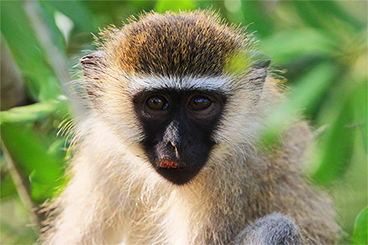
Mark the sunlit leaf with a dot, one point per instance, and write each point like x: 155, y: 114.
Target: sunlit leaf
x: 360, y: 235
x: 41, y: 192
x: 164, y: 5
x: 30, y: 113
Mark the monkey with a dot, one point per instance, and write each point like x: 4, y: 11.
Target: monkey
x: 167, y: 149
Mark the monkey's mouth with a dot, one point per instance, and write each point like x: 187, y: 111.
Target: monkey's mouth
x: 168, y: 163
x: 174, y: 171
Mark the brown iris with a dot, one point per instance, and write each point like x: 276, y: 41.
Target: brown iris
x: 157, y: 102
x: 198, y: 102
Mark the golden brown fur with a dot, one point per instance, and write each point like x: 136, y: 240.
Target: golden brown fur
x: 174, y: 44
x: 116, y: 196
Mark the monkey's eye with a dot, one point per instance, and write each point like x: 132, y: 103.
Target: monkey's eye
x: 157, y: 102
x: 198, y: 102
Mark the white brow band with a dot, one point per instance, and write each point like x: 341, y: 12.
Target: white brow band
x: 220, y: 84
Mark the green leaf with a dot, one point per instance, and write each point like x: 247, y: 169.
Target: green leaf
x: 314, y: 13
x: 36, y: 156
x: 360, y: 235
x: 344, y: 119
x: 29, y: 54
x: 30, y: 113
x: 7, y: 186
x: 77, y: 12
x: 256, y: 15
x: 288, y: 45
x: 48, y: 16
x: 336, y: 147
x: 164, y: 5
x: 41, y: 192
x: 308, y: 90
x: 360, y: 107
x: 29, y: 152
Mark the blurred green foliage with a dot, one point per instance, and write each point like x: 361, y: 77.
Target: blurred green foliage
x: 360, y: 234
x: 320, y: 45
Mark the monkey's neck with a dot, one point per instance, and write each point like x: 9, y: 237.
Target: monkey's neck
x: 170, y: 214
x: 205, y: 206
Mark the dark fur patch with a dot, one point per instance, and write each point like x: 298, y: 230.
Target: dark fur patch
x: 194, y: 43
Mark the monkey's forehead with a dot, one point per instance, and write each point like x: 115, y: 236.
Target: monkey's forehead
x: 194, y: 43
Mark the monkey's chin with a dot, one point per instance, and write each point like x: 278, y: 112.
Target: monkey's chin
x: 177, y: 176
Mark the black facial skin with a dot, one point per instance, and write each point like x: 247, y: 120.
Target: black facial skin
x: 178, y: 128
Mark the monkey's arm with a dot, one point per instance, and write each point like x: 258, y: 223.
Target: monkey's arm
x: 270, y: 230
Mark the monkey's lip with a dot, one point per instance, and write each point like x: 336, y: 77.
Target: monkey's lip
x: 168, y: 163
x: 175, y: 171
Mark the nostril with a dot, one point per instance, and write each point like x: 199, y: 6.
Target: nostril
x: 171, y: 145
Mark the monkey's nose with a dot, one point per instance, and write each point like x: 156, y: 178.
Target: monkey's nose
x: 173, y: 147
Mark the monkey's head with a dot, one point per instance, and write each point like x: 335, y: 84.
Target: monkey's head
x: 166, y: 82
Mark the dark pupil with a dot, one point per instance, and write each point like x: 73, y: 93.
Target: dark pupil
x: 199, y: 103
x: 157, y: 103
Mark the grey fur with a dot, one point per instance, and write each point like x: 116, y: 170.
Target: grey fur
x: 272, y: 229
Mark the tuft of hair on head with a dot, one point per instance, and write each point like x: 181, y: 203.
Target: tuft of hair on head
x: 197, y: 43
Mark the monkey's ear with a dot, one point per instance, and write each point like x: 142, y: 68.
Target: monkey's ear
x: 93, y: 66
x: 257, y: 73
x: 256, y: 76
x: 92, y: 62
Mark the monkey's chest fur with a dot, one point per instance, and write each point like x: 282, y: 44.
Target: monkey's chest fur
x: 183, y: 218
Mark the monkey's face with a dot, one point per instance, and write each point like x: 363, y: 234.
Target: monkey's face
x: 163, y: 82
x: 178, y: 127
